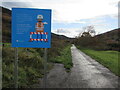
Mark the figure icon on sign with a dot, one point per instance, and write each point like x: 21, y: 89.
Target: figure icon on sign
x: 40, y: 24
x: 39, y: 27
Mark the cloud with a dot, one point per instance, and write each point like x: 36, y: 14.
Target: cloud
x: 62, y: 30
x: 16, y: 4
x: 73, y: 10
x: 69, y: 32
x: 75, y: 14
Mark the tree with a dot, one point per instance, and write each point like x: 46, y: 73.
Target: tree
x: 88, y: 31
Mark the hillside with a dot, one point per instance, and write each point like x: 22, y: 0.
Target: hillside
x: 111, y: 35
x: 6, y: 25
x: 106, y: 41
x: 110, y: 39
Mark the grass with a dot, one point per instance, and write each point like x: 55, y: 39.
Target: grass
x: 107, y: 58
x: 64, y: 58
x: 30, y: 63
x: 30, y: 66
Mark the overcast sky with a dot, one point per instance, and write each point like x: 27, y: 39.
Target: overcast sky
x: 70, y: 16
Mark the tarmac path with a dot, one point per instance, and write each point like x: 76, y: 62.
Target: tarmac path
x: 86, y: 73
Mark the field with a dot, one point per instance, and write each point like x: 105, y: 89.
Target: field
x: 107, y: 58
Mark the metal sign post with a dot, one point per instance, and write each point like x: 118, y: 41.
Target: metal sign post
x: 45, y: 68
x: 16, y: 68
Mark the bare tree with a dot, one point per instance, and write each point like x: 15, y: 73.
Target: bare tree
x: 88, y: 31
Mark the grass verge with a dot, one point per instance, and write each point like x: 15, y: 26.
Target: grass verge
x: 30, y: 66
x: 64, y: 58
x: 107, y: 58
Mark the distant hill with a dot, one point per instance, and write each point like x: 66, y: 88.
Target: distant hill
x: 111, y: 35
x: 56, y: 36
x: 106, y: 41
x: 6, y: 27
x: 110, y: 40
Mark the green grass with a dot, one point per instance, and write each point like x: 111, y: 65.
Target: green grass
x: 107, y: 58
x: 64, y: 58
x: 30, y: 66
x: 30, y: 63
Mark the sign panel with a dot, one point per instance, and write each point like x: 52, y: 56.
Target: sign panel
x: 31, y: 28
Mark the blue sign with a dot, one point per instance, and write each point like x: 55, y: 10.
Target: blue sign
x: 31, y: 28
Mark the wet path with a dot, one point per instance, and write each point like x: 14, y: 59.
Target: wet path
x: 86, y: 73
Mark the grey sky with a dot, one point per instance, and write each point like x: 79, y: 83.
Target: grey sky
x: 100, y: 13
x: 16, y: 4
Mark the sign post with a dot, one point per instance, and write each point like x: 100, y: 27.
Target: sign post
x: 45, y: 67
x: 31, y: 28
x: 16, y: 68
